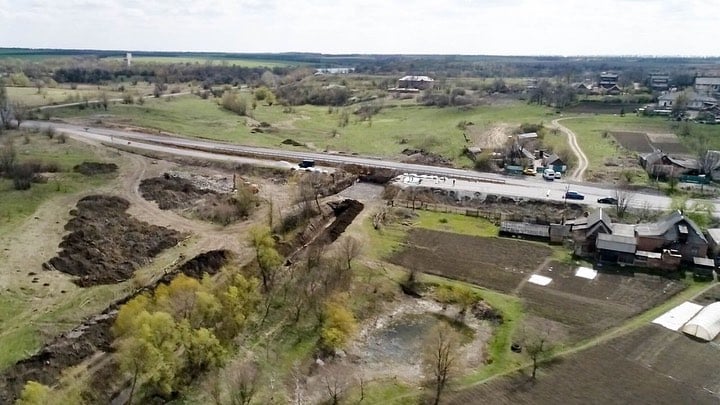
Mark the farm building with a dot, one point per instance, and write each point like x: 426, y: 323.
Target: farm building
x: 713, y: 238
x: 586, y: 229
x: 554, y: 162
x: 706, y: 324
x: 660, y: 164
x: 416, y: 82
x: 662, y: 244
x: 694, y: 100
x: 524, y: 229
x: 659, y: 81
x: 709, y: 86
x: 608, y: 80
x: 674, y: 232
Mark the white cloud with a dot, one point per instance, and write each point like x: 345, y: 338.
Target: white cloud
x: 568, y: 27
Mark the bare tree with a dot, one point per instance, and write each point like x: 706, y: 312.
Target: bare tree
x: 5, y: 111
x: 623, y: 197
x: 350, y: 248
x: 440, y: 357
x: 104, y: 100
x: 537, y: 345
x: 20, y: 111
x: 243, y: 381
x: 336, y: 385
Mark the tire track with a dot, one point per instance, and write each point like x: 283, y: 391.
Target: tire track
x: 579, y: 171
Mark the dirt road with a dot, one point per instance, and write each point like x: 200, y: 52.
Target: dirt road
x: 579, y: 171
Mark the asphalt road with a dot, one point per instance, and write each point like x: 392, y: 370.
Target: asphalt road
x: 470, y: 181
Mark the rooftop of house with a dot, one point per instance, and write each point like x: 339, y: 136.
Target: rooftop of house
x: 617, y: 243
x: 416, y: 79
x: 660, y: 227
x: 714, y: 234
x: 691, y: 95
x: 707, y: 80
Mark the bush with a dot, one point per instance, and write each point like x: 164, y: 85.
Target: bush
x: 62, y: 138
x: 49, y: 132
x: 233, y: 102
x: 22, y: 176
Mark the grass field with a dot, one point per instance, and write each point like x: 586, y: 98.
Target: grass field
x: 390, y: 131
x: 64, y: 94
x: 25, y: 319
x: 18, y: 205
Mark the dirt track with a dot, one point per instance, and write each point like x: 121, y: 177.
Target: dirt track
x: 582, y: 163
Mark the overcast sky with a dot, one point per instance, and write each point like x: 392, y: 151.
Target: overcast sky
x: 499, y: 27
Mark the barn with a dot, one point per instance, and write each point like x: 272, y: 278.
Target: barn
x: 706, y: 324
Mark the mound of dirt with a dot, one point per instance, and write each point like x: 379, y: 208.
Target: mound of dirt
x: 421, y: 156
x: 93, y: 335
x: 93, y: 168
x: 345, y: 212
x: 105, y: 244
x: 171, y: 192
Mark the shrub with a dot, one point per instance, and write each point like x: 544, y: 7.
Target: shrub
x: 62, y: 138
x: 233, y: 102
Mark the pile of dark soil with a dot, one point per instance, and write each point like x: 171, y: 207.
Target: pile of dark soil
x: 171, y: 192
x: 93, y: 168
x: 93, y: 335
x: 421, y: 156
x: 105, y: 244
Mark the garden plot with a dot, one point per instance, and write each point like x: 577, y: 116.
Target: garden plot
x: 587, y: 307
x: 649, y: 366
x: 668, y: 143
x: 634, y: 141
x: 494, y: 263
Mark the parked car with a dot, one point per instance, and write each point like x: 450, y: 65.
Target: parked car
x: 530, y: 171
x: 558, y: 175
x: 607, y: 200
x: 549, y: 174
x: 574, y: 195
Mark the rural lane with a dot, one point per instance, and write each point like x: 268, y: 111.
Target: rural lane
x: 582, y: 161
x: 467, y: 181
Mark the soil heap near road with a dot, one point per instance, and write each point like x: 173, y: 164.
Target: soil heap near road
x: 105, y: 244
x: 93, y: 168
x: 172, y: 192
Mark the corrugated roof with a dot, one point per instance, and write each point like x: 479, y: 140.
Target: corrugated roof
x: 714, y: 234
x: 707, y: 80
x: 524, y: 228
x: 662, y: 226
x: 704, y: 261
x: 624, y: 230
x: 615, y: 243
x: 528, y: 135
x: 416, y: 79
x: 649, y: 255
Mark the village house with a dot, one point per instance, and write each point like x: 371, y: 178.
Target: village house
x: 695, y: 100
x: 663, y: 244
x: 709, y: 86
x: 608, y: 80
x: 663, y: 166
x: 554, y: 162
x: 415, y: 82
x: 659, y: 82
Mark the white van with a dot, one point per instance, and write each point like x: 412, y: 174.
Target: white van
x: 549, y: 174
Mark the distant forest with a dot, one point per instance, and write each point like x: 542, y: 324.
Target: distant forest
x: 96, y: 66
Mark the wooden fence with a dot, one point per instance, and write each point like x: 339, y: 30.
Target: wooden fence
x: 491, y: 216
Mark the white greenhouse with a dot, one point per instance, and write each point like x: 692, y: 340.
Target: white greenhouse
x: 706, y: 324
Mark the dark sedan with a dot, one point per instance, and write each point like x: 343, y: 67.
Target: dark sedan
x: 607, y: 200
x: 574, y: 195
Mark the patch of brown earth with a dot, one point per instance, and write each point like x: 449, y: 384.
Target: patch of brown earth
x: 105, y: 244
